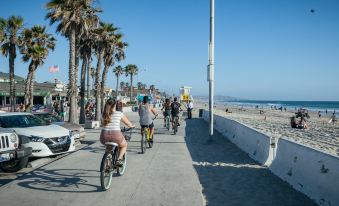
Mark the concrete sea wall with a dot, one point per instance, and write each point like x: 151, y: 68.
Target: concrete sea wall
x: 312, y: 172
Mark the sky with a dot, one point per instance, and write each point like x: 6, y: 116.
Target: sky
x: 264, y: 49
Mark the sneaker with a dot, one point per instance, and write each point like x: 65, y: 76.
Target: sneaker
x: 119, y: 163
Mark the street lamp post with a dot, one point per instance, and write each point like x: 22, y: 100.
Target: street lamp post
x: 210, y: 70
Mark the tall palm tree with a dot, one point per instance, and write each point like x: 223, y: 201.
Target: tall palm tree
x: 118, y: 71
x: 122, y: 85
x: 36, y: 43
x: 92, y: 73
x: 114, y: 51
x: 3, y: 24
x: 139, y: 85
x: 10, y: 43
x: 71, y: 15
x: 85, y: 51
x: 131, y: 70
x: 101, y: 35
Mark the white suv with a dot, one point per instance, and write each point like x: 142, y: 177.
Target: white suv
x: 13, y: 156
x: 44, y: 139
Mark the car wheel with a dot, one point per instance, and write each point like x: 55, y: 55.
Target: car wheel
x: 14, y: 165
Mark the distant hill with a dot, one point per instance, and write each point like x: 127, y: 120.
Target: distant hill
x: 218, y: 98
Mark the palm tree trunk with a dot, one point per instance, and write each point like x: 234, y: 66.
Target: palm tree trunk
x: 97, y: 88
x: 27, y: 97
x: 88, y: 75
x: 72, y: 79
x: 12, y: 56
x: 31, y: 86
x: 103, y: 82
x: 116, y: 88
x: 130, y: 99
x: 82, y: 90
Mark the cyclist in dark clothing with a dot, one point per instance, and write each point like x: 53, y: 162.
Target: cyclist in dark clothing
x: 166, y: 107
x: 175, y: 110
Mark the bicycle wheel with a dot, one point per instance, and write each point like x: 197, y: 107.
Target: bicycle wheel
x: 106, y: 171
x: 168, y: 123
x: 175, y: 126
x: 143, y: 142
x: 121, y: 170
x: 150, y: 140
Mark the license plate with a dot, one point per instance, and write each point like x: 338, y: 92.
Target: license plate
x: 4, y: 157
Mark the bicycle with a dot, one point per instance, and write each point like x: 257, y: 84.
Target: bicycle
x: 175, y: 124
x: 108, y: 163
x: 146, y: 138
x: 168, y: 122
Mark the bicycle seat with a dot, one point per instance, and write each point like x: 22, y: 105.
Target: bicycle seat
x: 111, y: 144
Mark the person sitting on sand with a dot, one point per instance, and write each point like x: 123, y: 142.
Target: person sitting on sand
x: 298, y: 125
x: 333, y: 118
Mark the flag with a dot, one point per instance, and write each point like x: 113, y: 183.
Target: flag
x: 53, y: 69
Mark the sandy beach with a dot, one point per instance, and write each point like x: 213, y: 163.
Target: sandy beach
x: 321, y: 135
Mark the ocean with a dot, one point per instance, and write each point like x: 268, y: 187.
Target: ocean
x: 322, y: 106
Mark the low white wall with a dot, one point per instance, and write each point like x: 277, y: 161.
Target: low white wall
x: 310, y: 171
x: 256, y: 144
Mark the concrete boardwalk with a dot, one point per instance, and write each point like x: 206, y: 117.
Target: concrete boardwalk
x: 179, y: 170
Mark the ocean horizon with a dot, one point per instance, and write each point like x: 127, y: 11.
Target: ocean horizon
x: 330, y: 106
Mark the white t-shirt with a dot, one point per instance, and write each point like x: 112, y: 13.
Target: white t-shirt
x: 114, y: 124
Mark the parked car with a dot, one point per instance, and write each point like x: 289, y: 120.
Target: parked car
x: 79, y: 131
x: 45, y: 140
x: 13, y: 157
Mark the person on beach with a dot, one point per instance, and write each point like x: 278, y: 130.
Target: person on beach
x: 333, y: 118
x: 111, y: 131
x: 319, y: 114
x: 189, y: 109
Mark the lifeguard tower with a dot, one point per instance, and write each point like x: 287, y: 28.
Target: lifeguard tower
x: 185, y: 94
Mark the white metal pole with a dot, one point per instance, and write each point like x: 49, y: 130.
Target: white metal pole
x: 211, y: 69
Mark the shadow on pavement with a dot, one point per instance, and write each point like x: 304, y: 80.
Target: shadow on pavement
x: 61, y: 180
x: 229, y: 177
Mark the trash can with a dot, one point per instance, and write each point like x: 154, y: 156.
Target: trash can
x: 201, y: 112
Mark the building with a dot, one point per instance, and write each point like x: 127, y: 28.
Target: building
x: 43, y: 93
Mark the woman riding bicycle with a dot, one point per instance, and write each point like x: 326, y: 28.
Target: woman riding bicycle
x: 145, y: 113
x: 166, y: 107
x: 111, y: 131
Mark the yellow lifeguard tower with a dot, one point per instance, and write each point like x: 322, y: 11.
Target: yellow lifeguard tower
x: 185, y: 95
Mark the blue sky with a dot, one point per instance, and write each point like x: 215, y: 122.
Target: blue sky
x: 264, y: 49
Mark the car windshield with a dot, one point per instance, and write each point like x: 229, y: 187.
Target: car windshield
x: 46, y: 116
x: 21, y: 121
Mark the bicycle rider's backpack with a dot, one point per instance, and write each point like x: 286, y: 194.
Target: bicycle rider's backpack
x: 175, y: 107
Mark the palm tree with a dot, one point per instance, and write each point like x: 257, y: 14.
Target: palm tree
x: 139, y: 85
x: 72, y: 17
x: 101, y: 36
x: 122, y: 85
x: 86, y: 46
x: 114, y: 50
x: 3, y: 24
x: 131, y: 70
x: 10, y: 43
x: 118, y: 71
x: 36, y: 44
x: 92, y: 73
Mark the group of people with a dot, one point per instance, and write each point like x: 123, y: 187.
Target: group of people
x: 113, y: 116
x: 60, y: 108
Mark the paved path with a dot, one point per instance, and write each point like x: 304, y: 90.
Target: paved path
x: 179, y: 170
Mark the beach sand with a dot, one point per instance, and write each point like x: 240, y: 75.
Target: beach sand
x: 321, y: 135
